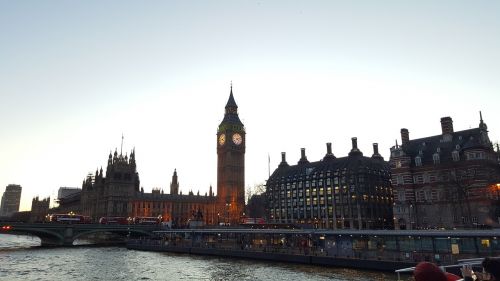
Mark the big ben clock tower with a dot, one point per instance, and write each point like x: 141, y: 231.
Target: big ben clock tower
x: 231, y: 143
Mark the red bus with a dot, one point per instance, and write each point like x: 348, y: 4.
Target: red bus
x: 254, y: 221
x: 114, y: 220
x: 70, y: 218
x: 146, y: 220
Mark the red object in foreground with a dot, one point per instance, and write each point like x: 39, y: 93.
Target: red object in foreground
x: 452, y: 277
x: 426, y: 271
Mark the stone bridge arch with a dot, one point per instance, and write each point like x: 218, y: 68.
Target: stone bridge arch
x: 64, y: 235
x: 120, y: 231
x: 47, y: 237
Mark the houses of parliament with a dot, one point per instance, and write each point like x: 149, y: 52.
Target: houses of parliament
x: 117, y: 192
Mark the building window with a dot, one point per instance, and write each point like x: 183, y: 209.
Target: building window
x: 399, y: 179
x: 435, y: 158
x: 428, y: 195
x: 418, y: 161
x: 455, y: 155
x: 426, y: 178
x: 401, y: 196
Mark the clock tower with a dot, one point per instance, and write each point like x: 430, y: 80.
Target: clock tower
x: 231, y: 141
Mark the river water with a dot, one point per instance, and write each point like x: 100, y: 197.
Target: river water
x: 21, y: 258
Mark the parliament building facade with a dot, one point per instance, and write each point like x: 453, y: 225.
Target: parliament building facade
x: 117, y: 192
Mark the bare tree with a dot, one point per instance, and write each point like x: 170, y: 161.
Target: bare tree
x: 463, y: 179
x: 257, y: 189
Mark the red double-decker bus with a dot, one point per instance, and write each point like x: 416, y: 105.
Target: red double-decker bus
x: 70, y: 218
x: 114, y: 220
x: 146, y: 220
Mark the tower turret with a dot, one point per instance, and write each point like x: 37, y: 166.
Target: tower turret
x: 174, y: 184
x: 482, y: 125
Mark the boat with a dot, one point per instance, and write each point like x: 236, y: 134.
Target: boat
x: 453, y: 268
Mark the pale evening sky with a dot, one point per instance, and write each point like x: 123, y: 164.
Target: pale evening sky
x: 75, y: 75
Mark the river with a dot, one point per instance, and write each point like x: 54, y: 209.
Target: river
x: 21, y: 258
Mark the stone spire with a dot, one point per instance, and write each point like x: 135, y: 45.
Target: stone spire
x: 482, y: 125
x: 231, y: 115
x: 231, y: 103
x: 174, y: 185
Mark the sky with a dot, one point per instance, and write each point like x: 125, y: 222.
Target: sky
x: 76, y: 75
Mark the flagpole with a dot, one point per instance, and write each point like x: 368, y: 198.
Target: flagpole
x: 268, y: 165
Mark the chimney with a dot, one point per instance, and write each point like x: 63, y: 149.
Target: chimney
x: 283, y: 160
x: 355, y: 150
x: 329, y: 154
x: 405, y: 136
x: 303, y: 158
x: 376, y: 155
x: 447, y: 125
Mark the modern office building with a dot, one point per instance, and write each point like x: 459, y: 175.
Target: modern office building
x: 65, y: 192
x: 352, y: 192
x: 10, y: 200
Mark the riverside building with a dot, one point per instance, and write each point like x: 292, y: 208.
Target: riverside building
x: 117, y: 191
x: 352, y: 192
x: 448, y: 180
x: 10, y: 200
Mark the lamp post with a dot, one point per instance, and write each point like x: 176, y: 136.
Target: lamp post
x: 228, y: 206
x: 412, y: 221
x: 497, y: 188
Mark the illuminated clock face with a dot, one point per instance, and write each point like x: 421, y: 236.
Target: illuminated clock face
x: 237, y: 139
x: 222, y: 139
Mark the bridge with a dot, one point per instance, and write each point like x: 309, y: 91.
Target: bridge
x: 53, y: 234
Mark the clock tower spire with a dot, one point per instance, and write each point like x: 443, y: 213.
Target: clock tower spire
x: 231, y: 142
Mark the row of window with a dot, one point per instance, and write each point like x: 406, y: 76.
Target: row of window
x: 329, y: 178
x: 443, y: 176
x: 436, y: 158
x: 314, y: 192
x: 333, y: 199
x: 163, y: 205
x: 328, y: 212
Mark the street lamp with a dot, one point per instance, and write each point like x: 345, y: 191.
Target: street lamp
x: 228, y: 206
